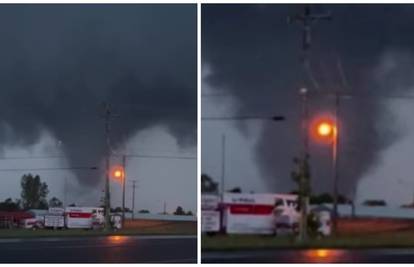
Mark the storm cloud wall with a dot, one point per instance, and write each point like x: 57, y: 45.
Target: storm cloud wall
x: 254, y: 54
x: 59, y: 63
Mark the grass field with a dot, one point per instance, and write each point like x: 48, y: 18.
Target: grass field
x: 145, y: 228
x: 353, y: 233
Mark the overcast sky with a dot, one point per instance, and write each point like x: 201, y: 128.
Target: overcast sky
x: 60, y: 62
x: 251, y: 66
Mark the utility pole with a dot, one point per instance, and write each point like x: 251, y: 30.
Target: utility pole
x: 335, y: 165
x: 123, y: 188
x: 306, y: 20
x: 304, y: 180
x: 223, y: 163
x: 65, y: 192
x: 223, y: 173
x: 133, y: 197
x: 165, y: 207
x: 107, y: 116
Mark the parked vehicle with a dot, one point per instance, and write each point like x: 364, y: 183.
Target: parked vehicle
x: 259, y: 213
x: 84, y: 217
x: 32, y: 223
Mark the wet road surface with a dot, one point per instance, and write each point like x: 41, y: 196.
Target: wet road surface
x: 110, y: 249
x: 312, y: 256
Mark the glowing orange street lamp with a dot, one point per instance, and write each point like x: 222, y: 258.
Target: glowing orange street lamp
x: 118, y: 173
x: 325, y: 129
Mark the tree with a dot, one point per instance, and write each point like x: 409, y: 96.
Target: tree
x: 10, y: 205
x: 143, y: 211
x: 74, y: 205
x: 117, y: 209
x: 235, y: 190
x: 189, y: 213
x: 325, y: 198
x: 54, y: 202
x: 321, y: 199
x: 34, y: 192
x: 179, y: 211
x: 208, y: 185
x: 374, y: 202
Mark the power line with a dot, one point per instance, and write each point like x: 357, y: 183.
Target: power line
x: 157, y: 156
x: 273, y: 118
x: 216, y: 95
x: 31, y: 157
x: 48, y: 169
x: 351, y: 95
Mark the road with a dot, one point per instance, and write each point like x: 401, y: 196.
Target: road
x: 311, y: 256
x: 108, y: 249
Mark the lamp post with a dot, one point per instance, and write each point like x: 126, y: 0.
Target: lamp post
x: 119, y: 173
x: 327, y: 130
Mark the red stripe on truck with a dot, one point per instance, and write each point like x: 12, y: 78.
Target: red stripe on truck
x: 251, y: 209
x: 79, y: 215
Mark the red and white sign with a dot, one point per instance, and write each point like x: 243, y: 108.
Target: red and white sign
x: 254, y: 213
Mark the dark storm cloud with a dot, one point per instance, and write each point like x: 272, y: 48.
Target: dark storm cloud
x: 254, y: 54
x: 60, y: 62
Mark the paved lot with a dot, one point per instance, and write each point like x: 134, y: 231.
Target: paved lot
x: 109, y: 249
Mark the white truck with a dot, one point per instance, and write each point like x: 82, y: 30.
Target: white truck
x: 259, y: 213
x: 84, y: 217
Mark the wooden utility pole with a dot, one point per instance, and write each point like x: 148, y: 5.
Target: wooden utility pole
x: 223, y: 163
x: 306, y: 20
x: 335, y: 165
x: 165, y: 207
x: 108, y: 115
x: 133, y: 197
x: 123, y: 187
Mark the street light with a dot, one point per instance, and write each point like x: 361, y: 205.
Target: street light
x: 118, y: 173
x: 325, y: 130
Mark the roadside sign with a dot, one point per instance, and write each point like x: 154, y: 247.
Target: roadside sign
x: 210, y: 221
